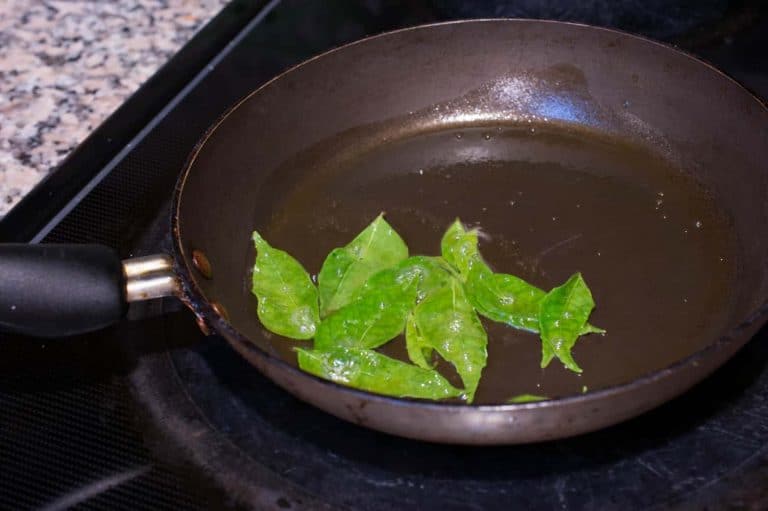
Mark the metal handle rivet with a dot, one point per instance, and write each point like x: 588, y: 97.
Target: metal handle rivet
x: 201, y: 263
x: 220, y: 310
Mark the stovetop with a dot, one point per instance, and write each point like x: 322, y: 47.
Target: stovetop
x: 152, y: 415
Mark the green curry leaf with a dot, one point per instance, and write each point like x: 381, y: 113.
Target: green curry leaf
x: 287, y: 299
x: 446, y: 322
x: 378, y: 311
x: 347, y: 268
x: 419, y: 349
x: 503, y: 298
x: 433, y: 273
x: 376, y: 315
x: 497, y: 296
x: 371, y: 371
x: 459, y: 247
x: 562, y: 318
x: 508, y: 299
x: 527, y: 398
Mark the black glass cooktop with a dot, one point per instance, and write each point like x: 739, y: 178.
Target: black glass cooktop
x: 152, y: 415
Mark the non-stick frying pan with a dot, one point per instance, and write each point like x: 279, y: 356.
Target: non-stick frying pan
x: 545, y: 134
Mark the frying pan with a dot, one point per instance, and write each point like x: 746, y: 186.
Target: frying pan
x: 313, y: 155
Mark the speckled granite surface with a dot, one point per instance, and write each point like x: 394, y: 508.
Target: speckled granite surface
x: 65, y: 65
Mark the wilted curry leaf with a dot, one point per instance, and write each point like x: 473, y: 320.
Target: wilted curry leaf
x: 368, y: 370
x: 375, y: 316
x: 563, y: 317
x: 446, y: 322
x: 347, y: 268
x: 287, y: 299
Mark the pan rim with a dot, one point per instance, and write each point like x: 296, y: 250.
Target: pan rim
x: 196, y: 300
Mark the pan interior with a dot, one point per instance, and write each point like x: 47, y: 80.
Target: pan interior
x: 653, y: 245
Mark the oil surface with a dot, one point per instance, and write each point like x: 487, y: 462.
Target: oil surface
x: 655, y: 250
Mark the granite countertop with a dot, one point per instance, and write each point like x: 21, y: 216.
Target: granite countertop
x: 65, y: 65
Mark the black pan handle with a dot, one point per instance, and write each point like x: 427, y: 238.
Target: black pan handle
x: 62, y: 290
